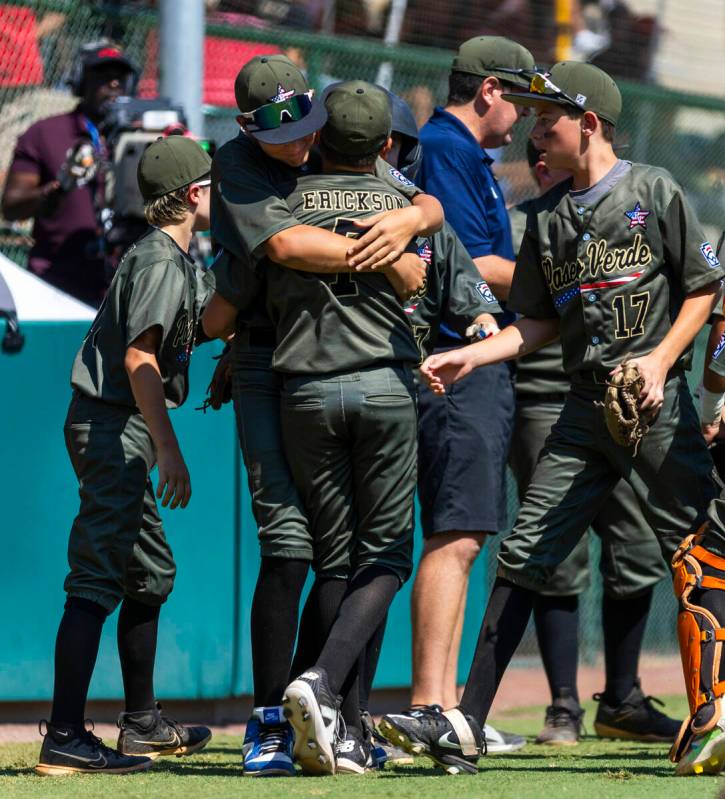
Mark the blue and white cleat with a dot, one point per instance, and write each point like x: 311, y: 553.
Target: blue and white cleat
x: 267, y: 747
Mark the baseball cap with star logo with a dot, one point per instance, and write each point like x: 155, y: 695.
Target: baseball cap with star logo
x: 573, y: 84
x: 276, y: 102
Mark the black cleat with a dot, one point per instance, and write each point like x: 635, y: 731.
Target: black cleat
x: 151, y: 734
x: 312, y: 710
x: 382, y: 750
x: 451, y: 739
x: 635, y: 719
x: 72, y: 750
x: 563, y: 724
x: 413, y: 720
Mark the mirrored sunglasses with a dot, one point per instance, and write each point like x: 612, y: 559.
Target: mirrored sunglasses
x: 272, y: 115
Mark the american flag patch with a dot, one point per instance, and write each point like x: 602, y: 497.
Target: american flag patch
x: 425, y: 252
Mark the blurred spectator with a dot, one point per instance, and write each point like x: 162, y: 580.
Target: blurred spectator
x: 56, y: 177
x: 630, y: 52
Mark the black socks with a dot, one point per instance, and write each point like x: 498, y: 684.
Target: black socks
x: 364, y: 607
x: 507, y: 614
x: 623, y: 623
x: 557, y: 631
x: 76, y: 650
x: 137, y: 631
x: 274, y: 625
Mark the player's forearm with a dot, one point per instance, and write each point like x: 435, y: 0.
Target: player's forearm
x: 219, y: 318
x: 693, y: 316
x: 148, y: 391
x: 431, y: 214
x: 308, y: 249
x: 497, y: 272
x: 406, y: 275
x: 515, y: 341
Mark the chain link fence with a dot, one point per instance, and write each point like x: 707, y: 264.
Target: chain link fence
x: 39, y: 41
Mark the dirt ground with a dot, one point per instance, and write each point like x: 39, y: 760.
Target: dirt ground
x: 522, y: 687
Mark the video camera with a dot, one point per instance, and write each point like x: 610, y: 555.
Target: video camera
x: 130, y: 125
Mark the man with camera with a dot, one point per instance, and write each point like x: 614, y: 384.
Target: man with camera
x: 55, y: 177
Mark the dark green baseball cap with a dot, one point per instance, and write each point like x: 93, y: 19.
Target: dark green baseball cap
x: 359, y: 118
x: 276, y: 100
x: 170, y: 163
x: 495, y: 56
x: 575, y: 85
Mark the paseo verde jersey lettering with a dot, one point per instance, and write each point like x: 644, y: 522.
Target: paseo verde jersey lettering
x: 615, y: 272
x: 156, y: 284
x: 335, y: 322
x: 454, y: 292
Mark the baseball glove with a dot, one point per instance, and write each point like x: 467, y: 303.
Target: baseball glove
x: 626, y: 423
x: 219, y: 390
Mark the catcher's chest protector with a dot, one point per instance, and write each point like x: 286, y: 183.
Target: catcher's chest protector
x: 701, y: 638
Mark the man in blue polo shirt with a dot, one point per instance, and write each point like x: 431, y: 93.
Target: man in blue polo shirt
x: 464, y: 436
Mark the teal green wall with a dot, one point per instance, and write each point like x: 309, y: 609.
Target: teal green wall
x: 204, y: 649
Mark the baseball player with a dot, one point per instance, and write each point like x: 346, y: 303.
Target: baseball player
x: 348, y: 419
x: 132, y: 366
x: 631, y: 562
x: 453, y: 290
x: 251, y: 220
x: 617, y: 264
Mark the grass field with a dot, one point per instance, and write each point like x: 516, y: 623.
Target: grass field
x: 594, y: 770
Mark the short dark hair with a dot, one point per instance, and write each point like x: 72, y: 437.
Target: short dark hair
x: 352, y: 161
x: 462, y: 87
x: 608, y: 130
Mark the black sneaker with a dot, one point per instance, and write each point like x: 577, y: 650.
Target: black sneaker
x: 312, y: 710
x: 451, y: 739
x: 70, y: 750
x: 563, y: 723
x: 634, y: 719
x: 151, y: 734
x: 382, y: 750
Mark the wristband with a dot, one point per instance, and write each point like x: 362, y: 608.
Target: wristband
x: 711, y: 405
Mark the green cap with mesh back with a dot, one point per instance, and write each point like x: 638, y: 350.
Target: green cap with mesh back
x: 495, y: 56
x: 359, y: 119
x: 170, y: 163
x: 577, y: 85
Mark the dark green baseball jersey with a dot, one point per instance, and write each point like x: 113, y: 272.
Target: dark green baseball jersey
x: 542, y: 371
x: 454, y: 292
x: 248, y: 204
x: 335, y: 322
x: 616, y: 271
x: 156, y: 284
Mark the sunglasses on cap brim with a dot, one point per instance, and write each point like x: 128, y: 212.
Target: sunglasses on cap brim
x: 540, y: 84
x: 272, y: 115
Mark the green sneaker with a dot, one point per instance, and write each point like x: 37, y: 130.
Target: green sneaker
x: 706, y: 754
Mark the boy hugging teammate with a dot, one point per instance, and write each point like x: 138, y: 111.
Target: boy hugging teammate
x: 132, y: 366
x: 346, y: 353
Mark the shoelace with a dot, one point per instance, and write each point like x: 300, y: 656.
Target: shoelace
x: 272, y: 739
x: 561, y: 717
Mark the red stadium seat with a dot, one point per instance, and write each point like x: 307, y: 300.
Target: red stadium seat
x: 223, y: 58
x: 20, y: 61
